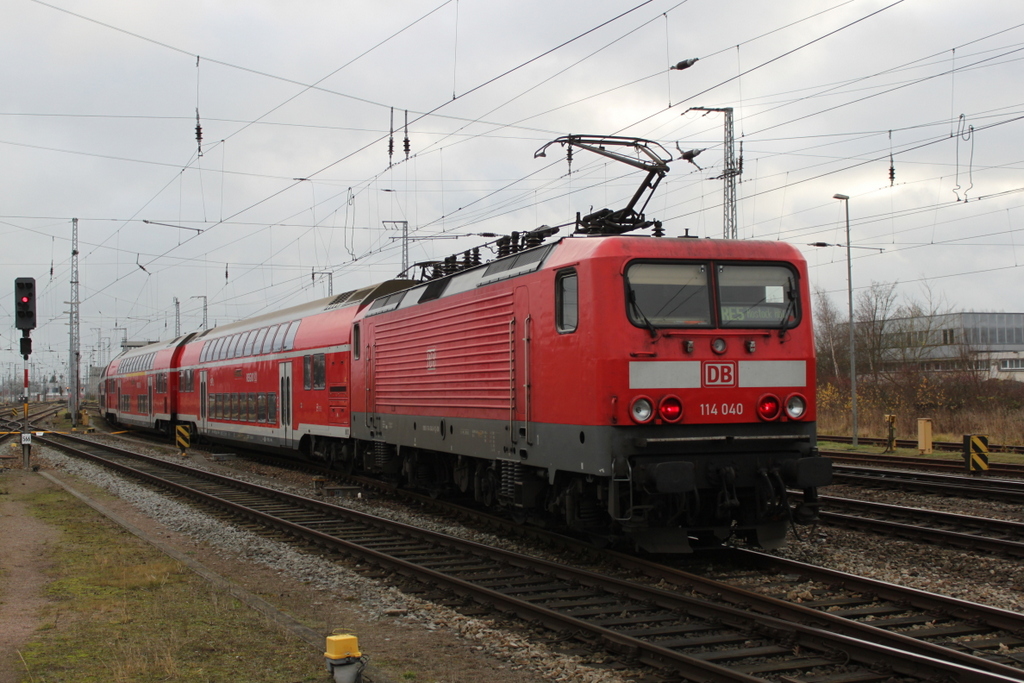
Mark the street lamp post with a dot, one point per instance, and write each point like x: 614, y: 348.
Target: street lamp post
x: 849, y: 287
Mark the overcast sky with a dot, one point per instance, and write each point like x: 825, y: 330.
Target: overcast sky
x: 297, y: 101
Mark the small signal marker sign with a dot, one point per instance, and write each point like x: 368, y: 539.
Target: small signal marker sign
x: 182, y: 437
x: 976, y: 452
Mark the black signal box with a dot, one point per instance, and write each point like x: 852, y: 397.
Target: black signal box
x: 25, y: 303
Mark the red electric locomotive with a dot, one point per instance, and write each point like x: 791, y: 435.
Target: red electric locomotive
x: 660, y: 389
x: 654, y: 389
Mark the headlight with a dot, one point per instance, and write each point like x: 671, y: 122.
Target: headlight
x: 796, y: 406
x: 642, y: 410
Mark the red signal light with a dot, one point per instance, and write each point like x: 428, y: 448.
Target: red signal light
x: 670, y: 409
x: 768, y: 407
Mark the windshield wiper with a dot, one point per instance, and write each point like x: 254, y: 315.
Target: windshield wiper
x: 791, y: 295
x: 636, y: 307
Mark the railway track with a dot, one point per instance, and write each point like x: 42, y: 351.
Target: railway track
x: 977, y: 534
x: 908, y: 443
x: 722, y: 640
x: 995, y: 468
x: 982, y: 488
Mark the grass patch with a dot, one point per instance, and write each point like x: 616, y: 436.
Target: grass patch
x: 123, y: 612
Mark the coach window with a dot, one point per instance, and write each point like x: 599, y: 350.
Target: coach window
x: 250, y: 342
x: 277, y: 344
x: 275, y: 338
x: 250, y: 410
x: 268, y: 343
x: 668, y: 295
x: 355, y: 342
x: 319, y: 371
x: 307, y: 372
x: 567, y: 301
x: 289, y: 338
x: 261, y: 407
x: 257, y: 347
x: 272, y: 408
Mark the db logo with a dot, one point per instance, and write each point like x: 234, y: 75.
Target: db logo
x: 719, y: 374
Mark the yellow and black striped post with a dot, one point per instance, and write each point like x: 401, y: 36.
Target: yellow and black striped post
x: 183, y: 437
x: 976, y: 452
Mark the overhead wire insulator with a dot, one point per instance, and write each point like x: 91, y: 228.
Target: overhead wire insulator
x: 892, y: 166
x: 391, y: 137
x: 406, y: 141
x: 199, y: 134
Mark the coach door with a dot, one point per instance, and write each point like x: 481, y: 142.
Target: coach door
x: 372, y: 419
x: 284, y: 374
x: 202, y: 402
x: 149, y: 388
x: 519, y: 333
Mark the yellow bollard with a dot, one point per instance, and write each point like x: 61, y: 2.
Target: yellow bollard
x: 344, y: 661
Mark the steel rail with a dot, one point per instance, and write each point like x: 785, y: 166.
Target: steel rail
x: 909, y: 443
x: 885, y: 459
x: 1008, y: 490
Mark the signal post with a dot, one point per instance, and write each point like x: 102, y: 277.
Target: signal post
x: 25, y: 320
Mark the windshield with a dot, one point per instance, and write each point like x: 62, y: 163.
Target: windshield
x: 757, y: 295
x: 669, y: 294
x: 679, y: 295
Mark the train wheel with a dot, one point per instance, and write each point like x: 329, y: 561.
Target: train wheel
x: 486, y: 486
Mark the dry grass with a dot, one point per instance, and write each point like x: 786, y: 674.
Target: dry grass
x: 124, y: 613
x: 955, y: 409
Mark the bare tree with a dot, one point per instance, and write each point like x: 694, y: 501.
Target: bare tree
x: 830, y: 335
x: 875, y: 309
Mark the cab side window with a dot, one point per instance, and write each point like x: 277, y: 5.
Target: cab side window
x: 566, y: 301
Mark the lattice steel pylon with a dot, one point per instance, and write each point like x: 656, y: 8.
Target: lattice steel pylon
x: 732, y: 171
x: 74, y: 389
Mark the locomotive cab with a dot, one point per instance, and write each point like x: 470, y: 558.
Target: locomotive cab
x: 707, y: 366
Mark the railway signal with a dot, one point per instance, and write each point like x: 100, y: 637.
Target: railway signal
x: 25, y: 320
x: 25, y: 303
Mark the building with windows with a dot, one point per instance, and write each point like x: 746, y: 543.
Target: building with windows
x: 989, y: 343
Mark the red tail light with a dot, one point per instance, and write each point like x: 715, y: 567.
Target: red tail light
x: 768, y: 407
x: 670, y: 409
